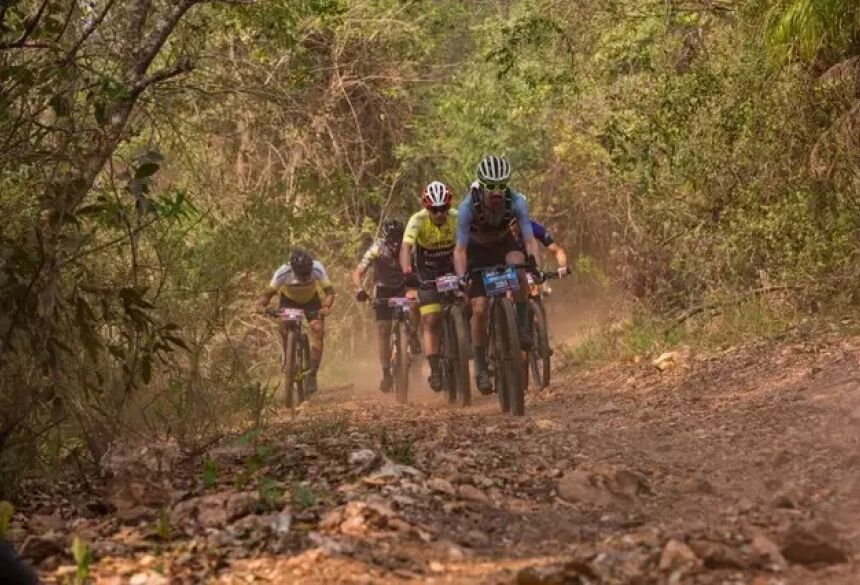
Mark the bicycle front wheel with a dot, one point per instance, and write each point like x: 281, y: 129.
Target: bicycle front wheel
x: 400, y: 363
x: 508, y: 355
x: 303, y: 366
x: 460, y: 355
x: 290, y: 366
x: 539, y: 356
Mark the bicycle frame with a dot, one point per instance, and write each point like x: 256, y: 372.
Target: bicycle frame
x: 453, y: 342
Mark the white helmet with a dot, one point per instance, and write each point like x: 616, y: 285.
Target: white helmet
x: 494, y: 169
x: 436, y: 194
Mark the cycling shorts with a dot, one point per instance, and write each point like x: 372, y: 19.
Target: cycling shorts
x: 484, y: 256
x: 381, y: 310
x: 429, y: 299
x: 311, y: 308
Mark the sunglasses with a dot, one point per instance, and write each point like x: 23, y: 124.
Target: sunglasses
x: 494, y: 186
x: 440, y: 210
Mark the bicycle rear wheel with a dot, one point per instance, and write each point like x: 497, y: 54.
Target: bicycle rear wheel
x: 459, y: 351
x: 495, y: 344
x: 539, y: 356
x: 400, y: 364
x: 509, y: 357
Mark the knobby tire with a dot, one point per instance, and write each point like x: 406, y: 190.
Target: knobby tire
x: 401, y: 362
x: 495, y: 356
x: 539, y: 358
x: 304, y: 365
x: 510, y: 356
x: 290, y: 365
x: 460, y: 355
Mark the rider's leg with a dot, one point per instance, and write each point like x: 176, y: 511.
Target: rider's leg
x: 479, y: 322
x: 480, y: 315
x: 316, y: 335
x: 383, y: 335
x: 415, y: 320
x: 521, y: 297
x: 384, y: 315
x: 430, y: 321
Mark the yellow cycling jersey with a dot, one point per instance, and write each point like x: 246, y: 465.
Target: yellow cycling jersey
x: 422, y: 232
x: 288, y: 284
x: 435, y: 244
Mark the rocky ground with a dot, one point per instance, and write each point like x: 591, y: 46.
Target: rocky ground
x: 738, y: 467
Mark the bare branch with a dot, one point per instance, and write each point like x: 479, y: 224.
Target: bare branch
x: 152, y: 45
x: 31, y: 26
x: 91, y: 27
x: 184, y: 66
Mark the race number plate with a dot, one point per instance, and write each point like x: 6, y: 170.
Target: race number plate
x: 499, y: 283
x: 400, y: 302
x: 530, y: 278
x: 447, y: 283
x: 290, y: 314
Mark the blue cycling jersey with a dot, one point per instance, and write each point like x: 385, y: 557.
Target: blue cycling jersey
x: 485, y: 226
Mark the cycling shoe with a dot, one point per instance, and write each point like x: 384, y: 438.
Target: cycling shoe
x: 414, y: 345
x: 483, y: 381
x: 310, y: 384
x: 386, y: 383
x: 435, y: 381
x: 525, y: 335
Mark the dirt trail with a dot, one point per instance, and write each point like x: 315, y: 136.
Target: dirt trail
x: 739, y: 467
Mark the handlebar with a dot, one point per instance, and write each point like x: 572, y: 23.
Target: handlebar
x: 539, y: 275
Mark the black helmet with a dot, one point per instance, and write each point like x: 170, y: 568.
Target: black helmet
x: 392, y: 231
x: 301, y: 262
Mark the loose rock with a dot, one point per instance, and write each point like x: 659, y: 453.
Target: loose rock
x: 812, y: 545
x: 469, y: 492
x: 678, y: 556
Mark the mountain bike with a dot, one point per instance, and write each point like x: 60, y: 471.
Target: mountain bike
x: 401, y: 332
x: 540, y: 353
x: 295, y: 354
x: 503, y: 350
x: 454, y: 346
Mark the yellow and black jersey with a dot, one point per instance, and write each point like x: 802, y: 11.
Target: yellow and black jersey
x: 290, y: 286
x: 434, y: 245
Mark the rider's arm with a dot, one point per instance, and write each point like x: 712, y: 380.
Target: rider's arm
x: 358, y: 277
x: 328, y: 299
x: 369, y: 257
x: 464, y: 223
x: 271, y: 290
x: 263, y: 301
x: 521, y: 209
x: 324, y: 285
x: 559, y: 253
x: 406, y: 257
x: 461, y: 260
x: 543, y: 236
x: 410, y: 240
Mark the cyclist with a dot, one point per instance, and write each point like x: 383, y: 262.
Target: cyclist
x: 543, y: 236
x: 484, y: 239
x: 432, y: 234
x: 389, y: 282
x: 299, y: 283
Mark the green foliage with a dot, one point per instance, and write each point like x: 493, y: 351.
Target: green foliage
x: 163, y: 526
x: 661, y: 143
x: 806, y: 28
x: 398, y: 448
x: 6, y: 513
x: 271, y: 494
x: 209, y: 474
x: 303, y: 497
x: 83, y: 557
x: 640, y: 336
